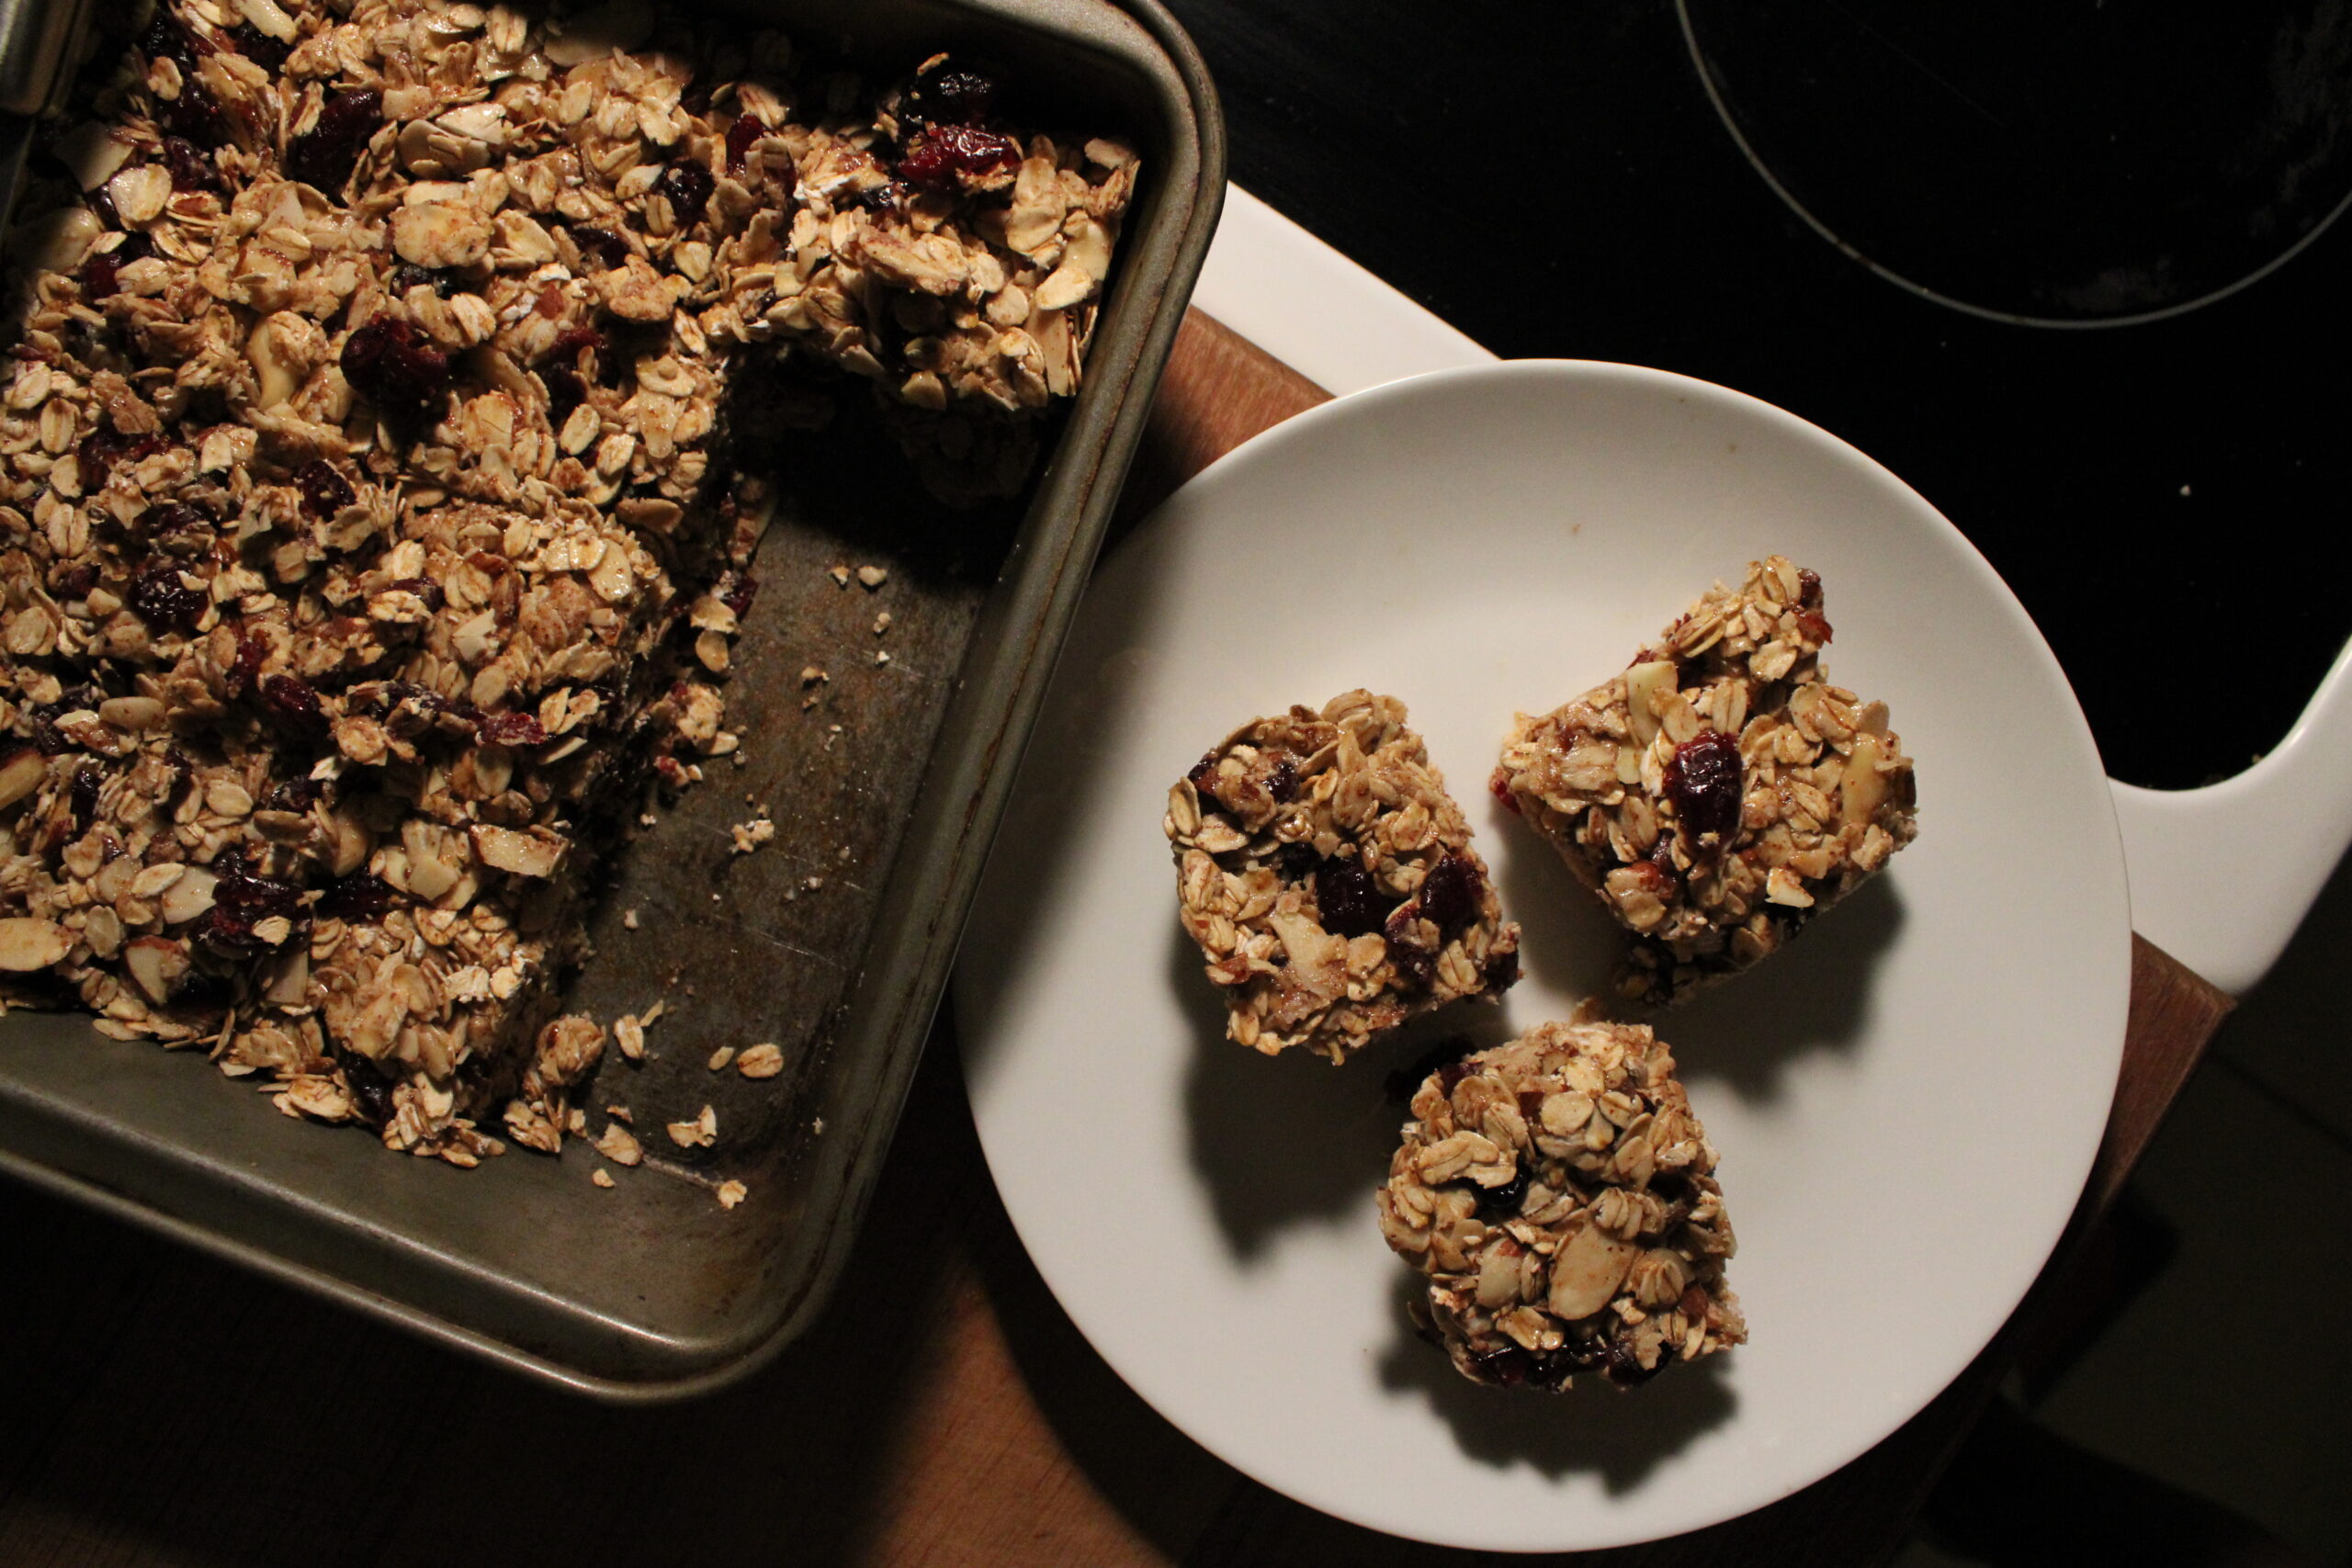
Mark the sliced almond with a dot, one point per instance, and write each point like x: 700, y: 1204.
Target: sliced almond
x: 188, y: 897
x: 156, y: 964
x: 1588, y: 1271
x: 535, y: 853
x: 1646, y: 689
x: 29, y: 942
x: 21, y: 775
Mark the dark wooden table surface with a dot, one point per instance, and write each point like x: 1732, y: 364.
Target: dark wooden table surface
x: 159, y: 1408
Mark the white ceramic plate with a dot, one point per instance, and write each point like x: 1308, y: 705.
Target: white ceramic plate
x: 1906, y: 1102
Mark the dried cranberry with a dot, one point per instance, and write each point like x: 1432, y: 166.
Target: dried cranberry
x: 1352, y: 903
x: 888, y: 197
x: 950, y: 97
x: 513, y: 729
x: 1450, y: 1076
x: 569, y: 343
x: 1500, y: 972
x: 1503, y: 1202
x: 443, y: 280
x: 166, y: 39
x: 688, y: 185
x: 1621, y: 1366
x: 158, y: 597
x: 190, y: 169
x: 324, y: 492
x: 1808, y: 588
x: 1500, y: 787
x: 75, y: 582
x: 370, y: 1091
x: 566, y: 391
x: 1416, y: 965
x: 1509, y: 1367
x: 1203, y: 772
x: 1815, y: 626
x: 1283, y: 781
x: 240, y: 900
x: 102, y: 206
x: 259, y: 47
x: 1452, y: 892
x: 943, y: 151
x: 101, y: 273
x: 425, y: 589
x: 740, y: 137
x: 294, y: 704
x: 737, y: 589
x: 359, y: 897
x: 251, y: 652
x: 196, y: 117
x: 603, y: 243
x: 393, y: 367
x: 295, y: 795
x: 1703, y: 779
x: 324, y: 155
x: 84, y: 796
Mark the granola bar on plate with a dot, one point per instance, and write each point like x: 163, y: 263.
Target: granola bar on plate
x: 1720, y: 792
x: 1329, y: 880
x: 1560, y: 1196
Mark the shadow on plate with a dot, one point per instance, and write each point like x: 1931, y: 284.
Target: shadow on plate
x: 1814, y: 995
x: 1278, y: 1140
x: 1618, y: 1435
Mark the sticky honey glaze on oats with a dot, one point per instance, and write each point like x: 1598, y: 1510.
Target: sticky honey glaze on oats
x: 369, y: 523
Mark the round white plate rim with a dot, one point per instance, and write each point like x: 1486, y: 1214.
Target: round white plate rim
x: 1270, y: 447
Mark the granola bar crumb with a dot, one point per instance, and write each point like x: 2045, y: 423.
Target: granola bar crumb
x: 600, y: 1177
x: 839, y: 574
x: 872, y: 576
x: 720, y: 1058
x: 617, y: 1144
x: 1329, y: 881
x: 629, y: 920
x: 762, y: 1061
x: 700, y: 1132
x: 749, y: 836
x: 732, y: 1193
x: 882, y: 623
x: 1720, y: 793
x: 1559, y: 1195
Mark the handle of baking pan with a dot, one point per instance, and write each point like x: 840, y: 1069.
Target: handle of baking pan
x: 2221, y: 877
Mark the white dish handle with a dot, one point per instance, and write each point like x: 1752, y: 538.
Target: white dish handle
x: 2221, y: 877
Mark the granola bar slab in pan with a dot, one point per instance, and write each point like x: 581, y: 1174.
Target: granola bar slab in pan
x: 481, y: 349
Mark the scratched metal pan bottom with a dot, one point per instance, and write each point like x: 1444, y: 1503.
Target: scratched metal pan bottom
x: 650, y: 1290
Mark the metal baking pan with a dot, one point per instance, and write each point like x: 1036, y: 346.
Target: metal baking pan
x: 886, y: 792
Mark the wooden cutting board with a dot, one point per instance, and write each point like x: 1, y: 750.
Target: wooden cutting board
x: 167, y: 1409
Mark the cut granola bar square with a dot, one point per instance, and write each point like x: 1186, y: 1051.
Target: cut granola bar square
x: 1560, y: 1196
x: 1720, y: 792
x: 1329, y: 880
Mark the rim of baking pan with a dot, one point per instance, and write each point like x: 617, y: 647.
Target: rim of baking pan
x: 912, y: 941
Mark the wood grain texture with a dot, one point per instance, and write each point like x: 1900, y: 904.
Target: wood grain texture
x: 166, y: 1410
